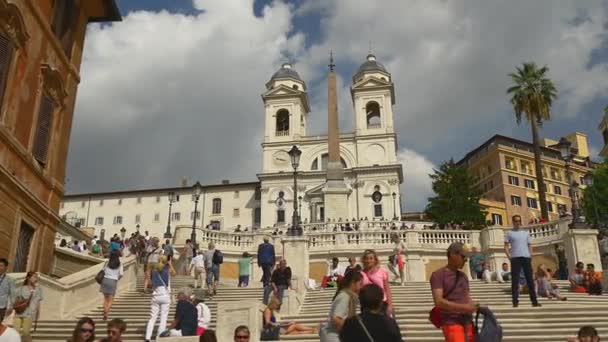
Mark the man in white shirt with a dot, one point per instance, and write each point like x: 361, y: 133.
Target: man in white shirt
x: 198, y: 263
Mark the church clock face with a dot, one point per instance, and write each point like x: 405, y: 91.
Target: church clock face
x: 280, y: 158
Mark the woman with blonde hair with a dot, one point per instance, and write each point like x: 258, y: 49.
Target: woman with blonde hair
x: 374, y: 274
x: 271, y: 326
x: 160, y: 277
x: 544, y: 287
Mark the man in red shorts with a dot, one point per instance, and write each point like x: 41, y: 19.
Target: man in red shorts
x: 451, y: 295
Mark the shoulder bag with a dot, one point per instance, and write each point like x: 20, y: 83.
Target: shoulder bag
x: 435, y: 313
x: 101, y: 274
x: 21, y: 304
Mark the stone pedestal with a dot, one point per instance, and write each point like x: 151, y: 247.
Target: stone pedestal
x: 336, y: 201
x: 415, y: 268
x: 231, y: 314
x: 295, y: 249
x: 581, y: 245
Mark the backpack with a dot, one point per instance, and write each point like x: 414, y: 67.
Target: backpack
x: 490, y: 330
x: 218, y: 257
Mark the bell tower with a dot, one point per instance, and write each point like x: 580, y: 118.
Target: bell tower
x: 373, y: 96
x: 286, y: 106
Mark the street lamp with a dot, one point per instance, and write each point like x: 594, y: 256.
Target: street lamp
x: 295, y: 154
x: 171, y: 197
x: 565, y: 149
x: 299, y: 209
x: 196, y: 194
x: 123, y: 232
x: 394, y: 206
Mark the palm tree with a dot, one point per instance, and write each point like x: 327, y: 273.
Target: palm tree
x: 533, y: 93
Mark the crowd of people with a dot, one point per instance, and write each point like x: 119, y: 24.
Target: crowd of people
x: 361, y: 309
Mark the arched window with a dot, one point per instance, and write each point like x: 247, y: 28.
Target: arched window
x: 324, y: 160
x: 282, y: 122
x: 372, y: 110
x: 217, y: 206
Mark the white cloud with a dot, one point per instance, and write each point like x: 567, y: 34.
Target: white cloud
x: 168, y: 95
x: 417, y: 183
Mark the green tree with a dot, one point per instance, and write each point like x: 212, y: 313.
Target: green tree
x: 595, y: 197
x: 457, y: 197
x: 532, y: 94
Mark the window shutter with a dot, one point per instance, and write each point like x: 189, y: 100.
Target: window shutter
x: 6, y: 54
x: 43, y: 130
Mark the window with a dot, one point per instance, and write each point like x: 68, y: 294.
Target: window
x: 485, y: 187
x: 282, y: 122
x: 324, y: 161
x: 82, y: 204
x: 6, y: 56
x: 281, y: 216
x: 117, y: 219
x: 216, y: 206
x: 99, y: 221
x: 101, y: 203
x: 491, y: 185
x: 237, y: 194
x: 514, y: 180
x: 315, y: 164
x: 372, y: 114
x: 555, y: 175
x: 532, y: 203
x: 236, y: 212
x: 80, y: 223
x: 516, y: 200
x: 64, y: 20
x: 120, y: 201
x: 529, y: 184
x: 378, y: 210
x: 138, y: 200
x: 497, y: 219
x: 176, y: 216
x: 138, y: 218
x: 176, y: 198
x: 557, y: 190
x: 42, y: 135
x: 157, y: 199
x: 526, y: 167
x: 510, y: 164
x: 562, y: 208
x: 198, y: 215
x: 156, y: 217
x: 550, y: 207
x: 257, y: 215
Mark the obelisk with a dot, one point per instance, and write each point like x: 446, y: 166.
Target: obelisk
x: 335, y: 191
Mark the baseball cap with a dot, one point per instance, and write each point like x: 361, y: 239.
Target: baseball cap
x: 461, y: 248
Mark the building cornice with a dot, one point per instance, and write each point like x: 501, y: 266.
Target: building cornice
x: 316, y: 139
x: 351, y: 172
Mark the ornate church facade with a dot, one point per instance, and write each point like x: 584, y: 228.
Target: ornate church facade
x: 370, y: 171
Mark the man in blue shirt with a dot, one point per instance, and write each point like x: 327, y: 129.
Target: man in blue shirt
x: 518, y: 247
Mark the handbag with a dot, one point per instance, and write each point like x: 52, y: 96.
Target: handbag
x: 270, y: 333
x: 435, y: 313
x: 21, y: 304
x: 101, y: 274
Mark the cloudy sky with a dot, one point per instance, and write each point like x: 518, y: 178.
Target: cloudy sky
x: 174, y: 89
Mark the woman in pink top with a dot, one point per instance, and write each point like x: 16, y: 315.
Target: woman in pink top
x: 373, y: 273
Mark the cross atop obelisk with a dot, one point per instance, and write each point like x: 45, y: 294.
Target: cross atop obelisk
x: 336, y: 193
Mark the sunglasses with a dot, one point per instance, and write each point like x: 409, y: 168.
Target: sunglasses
x: 242, y: 336
x: 84, y: 330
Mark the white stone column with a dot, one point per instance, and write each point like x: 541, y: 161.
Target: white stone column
x: 231, y: 314
x: 416, y: 271
x: 297, y: 256
x: 581, y: 245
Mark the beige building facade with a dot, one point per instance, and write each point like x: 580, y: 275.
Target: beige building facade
x: 505, y: 171
x: 372, y: 173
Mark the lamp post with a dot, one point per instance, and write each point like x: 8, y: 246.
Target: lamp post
x: 196, y: 194
x: 123, y: 232
x: 171, y: 197
x: 565, y: 149
x: 394, y: 206
x: 299, y: 209
x: 295, y: 154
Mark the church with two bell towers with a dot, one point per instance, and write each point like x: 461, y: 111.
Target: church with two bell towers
x: 340, y: 177
x: 371, y: 173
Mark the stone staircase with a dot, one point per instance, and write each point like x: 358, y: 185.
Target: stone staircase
x: 554, y: 321
x: 133, y: 306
